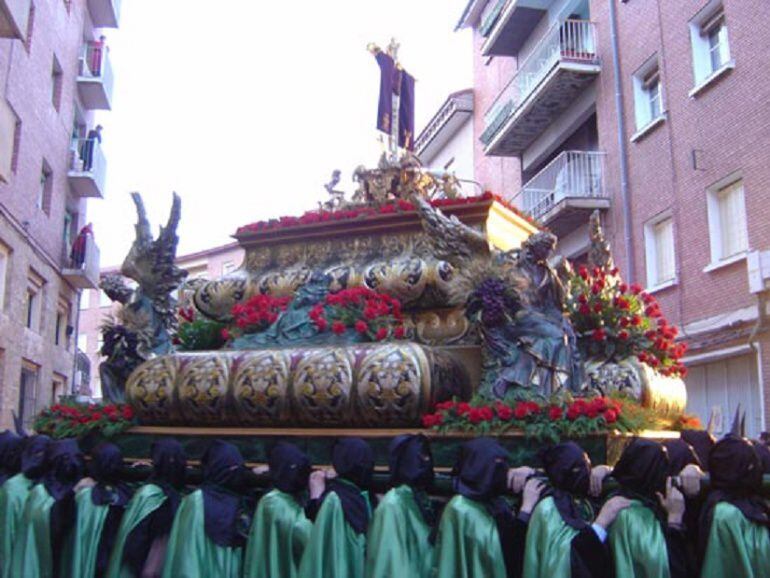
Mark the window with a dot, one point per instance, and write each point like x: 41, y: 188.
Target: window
x: 648, y: 94
x: 228, y: 267
x: 62, y: 323
x: 58, y: 386
x: 56, y: 83
x: 710, y: 45
x: 5, y: 258
x: 46, y: 189
x: 69, y: 223
x: 659, y: 248
x: 727, y: 221
x: 34, y: 298
x: 16, y: 146
x: 28, y: 393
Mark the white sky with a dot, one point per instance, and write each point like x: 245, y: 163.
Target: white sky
x: 245, y: 107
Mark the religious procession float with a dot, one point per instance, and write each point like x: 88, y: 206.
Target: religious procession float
x: 405, y: 308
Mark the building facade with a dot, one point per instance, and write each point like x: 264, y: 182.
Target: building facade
x: 655, y: 114
x: 56, y: 75
x: 96, y: 306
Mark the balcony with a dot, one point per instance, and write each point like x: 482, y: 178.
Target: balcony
x: 82, y: 267
x: 512, y: 26
x: 14, y: 15
x: 95, y: 77
x: 566, y: 191
x: 104, y: 13
x: 88, y: 168
x: 559, y: 68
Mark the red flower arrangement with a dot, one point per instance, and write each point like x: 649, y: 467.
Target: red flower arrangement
x: 70, y: 419
x: 256, y: 314
x: 615, y: 320
x: 540, y: 419
x: 397, y: 206
x: 369, y: 313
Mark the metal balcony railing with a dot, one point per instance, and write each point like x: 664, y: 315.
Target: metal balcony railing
x: 88, y: 163
x: 572, y: 174
x: 570, y: 41
x: 95, y: 66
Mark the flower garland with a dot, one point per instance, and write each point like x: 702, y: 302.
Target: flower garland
x: 255, y: 315
x: 615, y: 320
x: 369, y: 313
x: 71, y: 419
x: 397, y: 206
x: 553, y: 419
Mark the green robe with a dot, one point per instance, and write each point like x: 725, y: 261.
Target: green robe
x: 638, y: 544
x: 87, y: 534
x: 278, y: 536
x: 736, y: 545
x: 549, y: 543
x: 144, y: 502
x: 13, y: 495
x: 190, y: 553
x: 32, y: 555
x: 468, y: 545
x: 334, y: 548
x: 398, y: 538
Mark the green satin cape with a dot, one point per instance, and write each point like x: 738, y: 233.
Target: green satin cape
x: 398, y: 538
x: 144, y: 502
x: 638, y: 544
x: 87, y: 534
x: 468, y: 545
x: 13, y: 495
x: 736, y: 546
x: 334, y: 548
x: 277, y: 539
x: 549, y: 543
x: 190, y: 553
x: 32, y: 555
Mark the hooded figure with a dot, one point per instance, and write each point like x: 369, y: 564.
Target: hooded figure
x: 641, y: 543
x: 212, y: 523
x: 478, y: 535
x: 735, y: 523
x: 147, y: 520
x: 400, y: 532
x: 44, y: 539
x: 280, y: 529
x: 701, y: 441
x: 560, y: 540
x: 99, y: 510
x: 680, y: 455
x: 10, y: 455
x: 11, y: 498
x: 337, y: 543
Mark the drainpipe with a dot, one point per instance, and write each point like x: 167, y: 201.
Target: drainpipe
x: 75, y: 334
x: 625, y: 198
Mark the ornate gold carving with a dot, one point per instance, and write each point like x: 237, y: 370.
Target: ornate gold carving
x: 404, y: 279
x: 390, y: 386
x: 150, y: 389
x: 202, y: 387
x: 441, y: 327
x: 322, y: 384
x: 260, y: 387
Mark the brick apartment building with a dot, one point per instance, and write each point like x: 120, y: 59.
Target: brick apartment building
x: 55, y: 73
x: 656, y: 114
x: 96, y: 306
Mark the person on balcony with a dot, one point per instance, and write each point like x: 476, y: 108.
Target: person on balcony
x: 80, y: 245
x: 96, y: 53
x: 87, y: 150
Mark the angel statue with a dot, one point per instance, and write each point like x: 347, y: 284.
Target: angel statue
x: 517, y: 301
x: 147, y: 321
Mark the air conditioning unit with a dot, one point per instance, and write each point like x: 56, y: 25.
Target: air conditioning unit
x: 758, y: 265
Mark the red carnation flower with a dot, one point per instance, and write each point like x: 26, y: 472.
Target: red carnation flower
x: 555, y: 413
x: 338, y: 327
x: 610, y: 416
x: 504, y: 412
x: 361, y: 326
x: 381, y: 334
x: 399, y: 332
